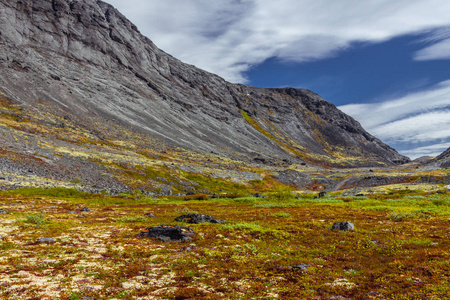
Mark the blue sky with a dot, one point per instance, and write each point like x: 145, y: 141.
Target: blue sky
x: 384, y: 62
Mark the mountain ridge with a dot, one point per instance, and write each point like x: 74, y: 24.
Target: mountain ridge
x: 84, y: 63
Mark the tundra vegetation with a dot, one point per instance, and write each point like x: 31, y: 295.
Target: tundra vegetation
x: 279, y: 247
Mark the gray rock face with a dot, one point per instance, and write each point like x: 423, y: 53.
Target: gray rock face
x: 86, y: 60
x: 443, y: 159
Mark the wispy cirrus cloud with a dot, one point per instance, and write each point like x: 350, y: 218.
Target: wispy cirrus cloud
x: 439, y: 48
x: 228, y: 37
x: 432, y: 150
x: 415, y: 123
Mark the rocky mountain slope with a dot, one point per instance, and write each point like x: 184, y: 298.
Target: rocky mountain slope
x: 443, y: 159
x: 83, y: 89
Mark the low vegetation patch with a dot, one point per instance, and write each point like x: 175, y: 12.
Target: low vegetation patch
x: 37, y: 218
x: 267, y: 248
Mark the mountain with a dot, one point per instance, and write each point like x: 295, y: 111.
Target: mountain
x: 443, y: 159
x: 85, y: 96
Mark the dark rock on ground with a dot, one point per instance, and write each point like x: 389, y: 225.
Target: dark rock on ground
x: 149, y: 215
x: 168, y: 233
x: 46, y: 241
x: 324, y: 194
x: 301, y: 267
x: 343, y: 226
x: 86, y: 209
x: 197, y: 218
x: 3, y: 212
x: 256, y: 195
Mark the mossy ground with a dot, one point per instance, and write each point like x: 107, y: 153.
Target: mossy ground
x: 399, y: 249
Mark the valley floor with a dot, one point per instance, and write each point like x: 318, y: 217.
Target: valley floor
x: 398, y: 250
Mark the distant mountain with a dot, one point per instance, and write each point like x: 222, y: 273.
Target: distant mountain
x: 443, y: 159
x: 78, y: 75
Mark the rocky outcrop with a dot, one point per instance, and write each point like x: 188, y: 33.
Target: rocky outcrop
x: 84, y: 60
x: 443, y: 159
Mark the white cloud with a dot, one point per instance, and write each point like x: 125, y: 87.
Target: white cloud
x: 432, y: 150
x: 227, y: 37
x: 374, y: 115
x: 409, y: 122
x: 440, y: 50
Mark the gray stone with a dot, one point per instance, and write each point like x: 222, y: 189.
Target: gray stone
x: 46, y: 240
x: 197, y: 219
x: 301, y: 267
x: 3, y: 212
x: 343, y: 226
x: 85, y: 209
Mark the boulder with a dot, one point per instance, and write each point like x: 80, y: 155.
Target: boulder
x: 85, y: 209
x: 3, y: 212
x: 324, y: 194
x: 343, y: 226
x: 46, y: 241
x: 301, y: 267
x: 168, y: 233
x: 197, y: 219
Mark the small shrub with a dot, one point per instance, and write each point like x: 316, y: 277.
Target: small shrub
x: 7, y: 246
x: 281, y: 215
x: 185, y: 210
x: 244, y: 200
x: 282, y: 193
x: 236, y: 194
x: 401, y: 216
x: 37, y: 219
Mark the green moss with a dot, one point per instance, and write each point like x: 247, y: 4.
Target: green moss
x: 51, y: 192
x: 258, y: 127
x: 214, y: 185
